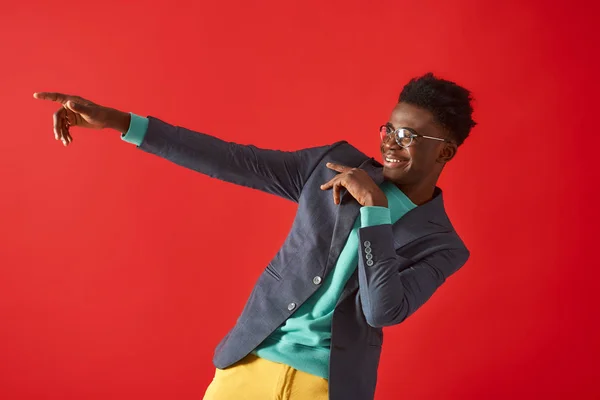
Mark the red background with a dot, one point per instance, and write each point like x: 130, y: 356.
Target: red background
x: 120, y: 272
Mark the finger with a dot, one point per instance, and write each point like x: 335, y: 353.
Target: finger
x: 63, y: 127
x: 336, y: 192
x: 328, y: 185
x: 56, y: 123
x: 337, y: 167
x: 62, y: 130
x: 70, y: 118
x: 79, y: 107
x: 66, y: 132
x: 331, y: 182
x: 53, y: 96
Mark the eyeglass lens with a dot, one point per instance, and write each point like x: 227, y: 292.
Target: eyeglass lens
x: 402, y: 136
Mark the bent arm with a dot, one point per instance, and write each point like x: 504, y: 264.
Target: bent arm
x: 393, y: 287
x: 282, y: 173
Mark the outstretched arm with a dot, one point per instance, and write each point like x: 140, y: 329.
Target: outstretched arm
x: 282, y: 173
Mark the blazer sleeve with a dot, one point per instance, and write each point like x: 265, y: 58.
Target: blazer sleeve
x: 282, y: 173
x: 393, y: 287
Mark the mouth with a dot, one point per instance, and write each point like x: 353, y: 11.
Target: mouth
x: 391, y: 161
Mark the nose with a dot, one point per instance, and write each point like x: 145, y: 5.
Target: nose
x: 389, y: 142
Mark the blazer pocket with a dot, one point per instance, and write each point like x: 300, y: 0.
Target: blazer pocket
x: 273, y: 272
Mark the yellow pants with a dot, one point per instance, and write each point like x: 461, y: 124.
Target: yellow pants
x: 254, y: 378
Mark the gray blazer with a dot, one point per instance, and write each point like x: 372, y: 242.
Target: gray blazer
x: 410, y: 258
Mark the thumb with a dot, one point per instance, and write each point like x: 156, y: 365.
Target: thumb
x: 79, y: 107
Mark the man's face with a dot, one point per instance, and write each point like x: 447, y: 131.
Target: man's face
x: 422, y: 161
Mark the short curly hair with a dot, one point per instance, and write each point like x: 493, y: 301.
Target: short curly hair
x: 449, y: 103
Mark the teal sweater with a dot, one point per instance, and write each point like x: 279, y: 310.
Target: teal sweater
x: 303, y: 340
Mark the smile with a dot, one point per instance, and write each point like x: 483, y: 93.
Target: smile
x: 392, y: 162
x: 391, y: 159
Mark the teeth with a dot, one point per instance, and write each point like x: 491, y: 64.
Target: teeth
x: 391, y: 159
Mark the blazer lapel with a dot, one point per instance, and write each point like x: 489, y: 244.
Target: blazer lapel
x: 426, y: 219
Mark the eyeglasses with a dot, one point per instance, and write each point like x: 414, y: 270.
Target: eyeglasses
x: 404, y: 136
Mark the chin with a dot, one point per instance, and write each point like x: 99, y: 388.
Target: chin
x: 398, y: 177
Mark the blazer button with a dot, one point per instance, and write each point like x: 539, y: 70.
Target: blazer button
x: 369, y: 262
x: 291, y: 306
x: 317, y: 280
x: 368, y: 250
x: 369, y: 256
x: 367, y: 243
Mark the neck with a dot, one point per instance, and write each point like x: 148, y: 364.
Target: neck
x: 418, y: 194
x: 421, y: 191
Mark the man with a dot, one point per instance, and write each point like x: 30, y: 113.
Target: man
x: 369, y: 258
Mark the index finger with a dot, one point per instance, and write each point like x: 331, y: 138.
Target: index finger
x: 337, y: 167
x: 53, y: 96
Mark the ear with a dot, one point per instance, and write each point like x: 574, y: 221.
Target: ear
x: 447, y: 152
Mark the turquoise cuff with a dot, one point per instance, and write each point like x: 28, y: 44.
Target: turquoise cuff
x: 374, y: 215
x: 137, y: 130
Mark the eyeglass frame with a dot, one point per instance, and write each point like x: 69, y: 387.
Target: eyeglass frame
x: 413, y: 134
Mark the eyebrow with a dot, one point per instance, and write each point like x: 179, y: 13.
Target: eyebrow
x: 394, y: 128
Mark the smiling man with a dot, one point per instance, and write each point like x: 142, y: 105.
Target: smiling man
x: 370, y: 243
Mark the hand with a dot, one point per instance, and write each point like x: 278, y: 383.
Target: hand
x: 358, y: 183
x: 77, y: 111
